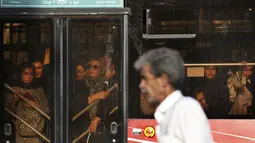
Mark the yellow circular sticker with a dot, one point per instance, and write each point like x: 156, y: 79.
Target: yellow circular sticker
x: 149, y: 132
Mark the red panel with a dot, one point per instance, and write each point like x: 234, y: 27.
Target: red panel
x: 223, y: 131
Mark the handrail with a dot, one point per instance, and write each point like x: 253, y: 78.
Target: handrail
x: 91, y: 105
x: 34, y: 130
x: 25, y: 100
x: 218, y: 64
x: 87, y: 131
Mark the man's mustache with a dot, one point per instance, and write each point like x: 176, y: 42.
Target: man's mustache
x: 144, y: 91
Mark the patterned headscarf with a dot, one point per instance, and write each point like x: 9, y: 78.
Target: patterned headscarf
x: 96, y: 85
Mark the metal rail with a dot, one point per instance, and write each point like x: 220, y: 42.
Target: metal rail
x: 25, y: 100
x: 91, y: 105
x: 219, y: 64
x: 34, y: 130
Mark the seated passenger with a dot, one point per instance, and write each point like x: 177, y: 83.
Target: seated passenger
x: 200, y: 97
x: 216, y: 93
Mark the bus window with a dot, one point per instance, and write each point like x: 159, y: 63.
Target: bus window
x: 95, y: 46
x: 219, y: 60
x: 27, y: 78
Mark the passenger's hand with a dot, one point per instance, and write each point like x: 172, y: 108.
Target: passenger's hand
x: 244, y: 63
x: 16, y: 97
x: 102, y: 94
x: 34, y: 103
x: 206, y: 106
x: 93, y: 125
x: 47, y: 50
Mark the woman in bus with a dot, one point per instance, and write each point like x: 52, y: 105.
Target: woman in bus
x: 96, y: 83
x: 240, y: 91
x: 41, y: 62
x: 80, y: 101
x: 215, y: 92
x: 24, y: 84
x: 40, y: 58
x: 200, y: 97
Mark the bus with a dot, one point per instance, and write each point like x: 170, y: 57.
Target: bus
x: 216, y: 41
x: 68, y: 76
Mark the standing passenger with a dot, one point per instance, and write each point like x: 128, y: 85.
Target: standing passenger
x: 240, y: 92
x: 24, y: 84
x: 41, y: 62
x: 81, y: 99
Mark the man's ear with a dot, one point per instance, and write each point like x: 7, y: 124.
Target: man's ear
x: 164, y: 79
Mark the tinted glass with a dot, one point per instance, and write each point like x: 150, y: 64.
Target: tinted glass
x: 224, y: 39
x: 95, y: 44
x: 27, y: 75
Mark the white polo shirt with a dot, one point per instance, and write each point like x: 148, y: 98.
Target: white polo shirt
x: 187, y: 123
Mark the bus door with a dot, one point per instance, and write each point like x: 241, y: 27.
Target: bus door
x: 63, y: 74
x: 95, y: 78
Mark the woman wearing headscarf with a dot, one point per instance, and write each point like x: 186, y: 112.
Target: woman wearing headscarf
x: 96, y: 83
x: 24, y: 84
x: 40, y: 58
x: 215, y: 92
x: 41, y: 61
x: 80, y: 101
x: 240, y: 91
x: 88, y: 88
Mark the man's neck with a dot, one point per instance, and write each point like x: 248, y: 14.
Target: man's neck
x: 168, y: 91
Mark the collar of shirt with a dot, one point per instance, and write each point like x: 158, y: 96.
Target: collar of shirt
x: 166, y: 104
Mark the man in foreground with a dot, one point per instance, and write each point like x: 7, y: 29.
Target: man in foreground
x: 180, y: 119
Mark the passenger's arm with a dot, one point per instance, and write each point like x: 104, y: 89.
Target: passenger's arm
x: 97, y: 96
x: 47, y: 57
x: 93, y: 124
x: 102, y: 112
x: 11, y: 101
x: 237, y: 80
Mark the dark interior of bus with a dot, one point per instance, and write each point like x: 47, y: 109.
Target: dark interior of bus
x: 223, y: 35
x: 92, y: 49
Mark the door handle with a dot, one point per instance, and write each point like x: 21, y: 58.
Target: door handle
x: 114, y: 128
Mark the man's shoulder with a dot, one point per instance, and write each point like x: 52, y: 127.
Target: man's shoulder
x: 189, y: 103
